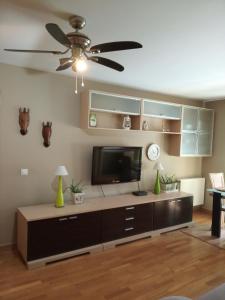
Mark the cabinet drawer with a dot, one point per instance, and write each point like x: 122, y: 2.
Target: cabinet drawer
x: 126, y: 221
x: 57, y: 235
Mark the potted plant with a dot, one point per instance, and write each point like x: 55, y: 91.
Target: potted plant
x: 77, y: 192
x: 168, y: 183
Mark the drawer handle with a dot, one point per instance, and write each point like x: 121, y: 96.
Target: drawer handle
x: 62, y: 219
x: 130, y: 208
x: 129, y: 228
x: 172, y: 201
x: 128, y: 219
x: 179, y: 200
x: 73, y: 217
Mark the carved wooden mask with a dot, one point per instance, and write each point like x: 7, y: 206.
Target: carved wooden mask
x: 46, y: 133
x: 24, y: 120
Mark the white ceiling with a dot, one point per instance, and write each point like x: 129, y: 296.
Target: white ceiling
x: 183, y: 41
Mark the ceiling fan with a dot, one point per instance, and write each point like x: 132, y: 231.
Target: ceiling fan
x: 78, y: 45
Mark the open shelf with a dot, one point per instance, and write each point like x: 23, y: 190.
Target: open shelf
x: 166, y: 126
x: 114, y: 121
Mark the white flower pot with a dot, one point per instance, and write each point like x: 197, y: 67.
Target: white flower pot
x: 78, y: 198
x: 169, y: 187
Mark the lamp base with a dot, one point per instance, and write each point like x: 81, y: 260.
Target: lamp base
x: 59, y: 200
x: 59, y: 206
x: 140, y: 193
x: 157, y: 184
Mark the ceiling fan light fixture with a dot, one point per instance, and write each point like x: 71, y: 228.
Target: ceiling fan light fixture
x: 81, y: 65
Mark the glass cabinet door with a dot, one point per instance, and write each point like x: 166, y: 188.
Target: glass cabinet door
x: 205, y: 122
x: 162, y: 110
x: 190, y: 119
x: 189, y: 144
x: 115, y: 104
x: 204, y: 143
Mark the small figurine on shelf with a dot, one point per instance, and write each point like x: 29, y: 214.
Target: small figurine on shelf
x: 93, y: 120
x: 127, y: 122
x: 145, y: 125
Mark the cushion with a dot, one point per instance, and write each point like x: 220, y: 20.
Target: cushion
x: 216, y: 294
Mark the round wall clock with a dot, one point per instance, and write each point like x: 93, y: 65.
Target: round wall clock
x: 153, y: 152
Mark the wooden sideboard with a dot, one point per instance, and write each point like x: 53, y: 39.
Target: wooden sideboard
x: 46, y: 233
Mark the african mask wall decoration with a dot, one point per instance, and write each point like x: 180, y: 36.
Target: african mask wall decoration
x: 46, y: 133
x: 24, y: 120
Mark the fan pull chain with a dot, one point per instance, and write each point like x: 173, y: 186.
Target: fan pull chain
x: 75, y: 83
x: 82, y: 80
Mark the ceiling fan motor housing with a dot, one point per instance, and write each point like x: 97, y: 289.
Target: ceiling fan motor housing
x: 79, y: 39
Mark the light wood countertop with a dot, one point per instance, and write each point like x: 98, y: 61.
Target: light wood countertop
x: 45, y: 211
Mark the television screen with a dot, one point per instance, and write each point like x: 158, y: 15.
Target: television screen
x: 116, y: 164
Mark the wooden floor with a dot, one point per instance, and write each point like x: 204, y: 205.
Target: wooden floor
x: 172, y: 264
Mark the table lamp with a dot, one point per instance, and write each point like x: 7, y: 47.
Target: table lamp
x: 159, y: 167
x: 60, y: 171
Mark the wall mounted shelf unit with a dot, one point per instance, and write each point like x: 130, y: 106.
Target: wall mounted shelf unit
x: 189, y: 128
x: 196, y: 133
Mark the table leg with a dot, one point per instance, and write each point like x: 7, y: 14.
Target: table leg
x: 216, y: 215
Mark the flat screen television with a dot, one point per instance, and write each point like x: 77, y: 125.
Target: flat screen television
x: 116, y: 164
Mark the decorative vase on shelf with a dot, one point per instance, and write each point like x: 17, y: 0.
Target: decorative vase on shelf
x: 92, y: 120
x: 127, y: 122
x: 145, y: 125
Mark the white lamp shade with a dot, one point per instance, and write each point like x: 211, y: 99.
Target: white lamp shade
x: 158, y: 166
x: 61, y: 171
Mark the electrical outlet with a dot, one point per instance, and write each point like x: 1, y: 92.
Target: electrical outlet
x: 24, y: 172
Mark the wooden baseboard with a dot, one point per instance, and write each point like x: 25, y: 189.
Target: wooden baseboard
x: 197, y: 207
x: 43, y: 261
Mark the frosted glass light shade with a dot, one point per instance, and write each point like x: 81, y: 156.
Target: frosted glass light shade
x: 61, y: 171
x: 158, y: 166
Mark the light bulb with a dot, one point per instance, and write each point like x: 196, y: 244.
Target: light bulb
x: 81, y: 65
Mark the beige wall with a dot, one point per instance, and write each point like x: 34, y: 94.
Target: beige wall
x: 50, y: 97
x: 216, y: 163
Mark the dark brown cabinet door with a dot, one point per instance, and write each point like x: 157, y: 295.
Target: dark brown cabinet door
x: 112, y: 224
x: 164, y: 214
x: 183, y: 210
x: 172, y: 212
x: 58, y: 235
x: 144, y: 218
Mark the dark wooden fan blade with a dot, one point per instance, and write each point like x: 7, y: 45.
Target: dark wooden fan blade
x: 34, y: 51
x: 107, y: 63
x: 58, y: 34
x: 115, y: 46
x: 64, y: 66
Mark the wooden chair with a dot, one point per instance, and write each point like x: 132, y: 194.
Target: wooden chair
x: 217, y: 182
